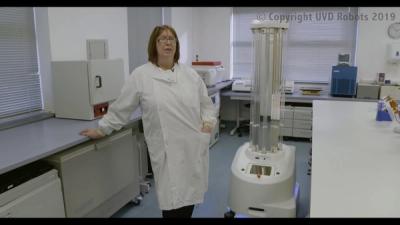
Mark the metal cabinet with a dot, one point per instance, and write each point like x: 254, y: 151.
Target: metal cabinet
x: 142, y: 159
x: 214, y: 136
x: 287, y: 121
x: 302, y: 122
x: 84, y: 89
x: 297, y: 121
x: 98, y: 177
x: 31, y: 191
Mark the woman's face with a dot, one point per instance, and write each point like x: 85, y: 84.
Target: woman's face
x: 166, y: 45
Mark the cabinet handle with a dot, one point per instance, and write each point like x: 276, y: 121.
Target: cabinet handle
x: 78, y: 152
x: 100, y: 83
x: 103, y: 144
x: 108, y: 141
x: 121, y: 135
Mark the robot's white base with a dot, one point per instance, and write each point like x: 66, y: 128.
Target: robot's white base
x: 263, y: 185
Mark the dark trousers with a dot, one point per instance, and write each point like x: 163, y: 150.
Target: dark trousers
x: 183, y: 212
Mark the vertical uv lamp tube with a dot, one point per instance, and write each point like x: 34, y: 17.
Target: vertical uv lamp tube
x: 267, y: 95
x: 254, y: 100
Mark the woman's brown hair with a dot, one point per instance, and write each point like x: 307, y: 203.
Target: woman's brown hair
x: 152, y: 46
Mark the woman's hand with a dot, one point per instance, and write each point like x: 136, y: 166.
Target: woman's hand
x: 207, y: 127
x: 206, y: 130
x: 92, y: 133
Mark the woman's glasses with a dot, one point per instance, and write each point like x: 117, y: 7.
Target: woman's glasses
x: 164, y: 40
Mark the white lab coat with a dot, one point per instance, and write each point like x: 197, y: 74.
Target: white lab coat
x: 174, y: 105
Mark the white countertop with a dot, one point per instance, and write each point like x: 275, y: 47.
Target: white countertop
x: 27, y: 143
x: 355, y: 162
x: 219, y: 86
x: 296, y: 97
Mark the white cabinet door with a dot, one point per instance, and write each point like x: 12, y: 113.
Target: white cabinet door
x: 142, y: 158
x: 92, y: 173
x: 286, y: 131
x: 106, y: 78
x: 287, y: 113
x: 302, y: 133
x: 302, y: 114
x: 302, y: 124
x: 287, y: 123
x: 45, y: 200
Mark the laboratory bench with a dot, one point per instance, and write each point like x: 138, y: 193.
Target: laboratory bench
x: 355, y: 162
x: 89, y: 178
x: 215, y: 94
x: 36, y: 140
x: 296, y: 97
x: 219, y: 86
x: 30, y: 142
x: 297, y: 114
x: 97, y: 177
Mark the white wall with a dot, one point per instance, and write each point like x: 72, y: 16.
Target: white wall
x: 204, y: 31
x: 44, y: 56
x: 70, y: 27
x: 141, y: 22
x: 182, y: 22
x: 371, y: 52
x: 213, y: 34
x: 372, y: 42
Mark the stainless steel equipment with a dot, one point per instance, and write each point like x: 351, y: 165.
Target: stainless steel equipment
x: 84, y: 89
x: 242, y: 85
x: 368, y: 91
x: 211, y: 72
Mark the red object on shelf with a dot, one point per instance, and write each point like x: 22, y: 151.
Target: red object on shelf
x: 206, y: 63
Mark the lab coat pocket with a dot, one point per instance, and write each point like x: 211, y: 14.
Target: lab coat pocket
x: 203, y: 160
x: 205, y: 141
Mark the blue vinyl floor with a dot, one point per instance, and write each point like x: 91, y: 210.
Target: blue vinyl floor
x: 216, y: 198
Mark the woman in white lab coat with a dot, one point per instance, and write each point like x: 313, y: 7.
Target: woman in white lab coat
x: 178, y: 116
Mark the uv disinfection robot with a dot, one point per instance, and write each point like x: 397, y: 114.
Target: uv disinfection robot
x: 263, y: 180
